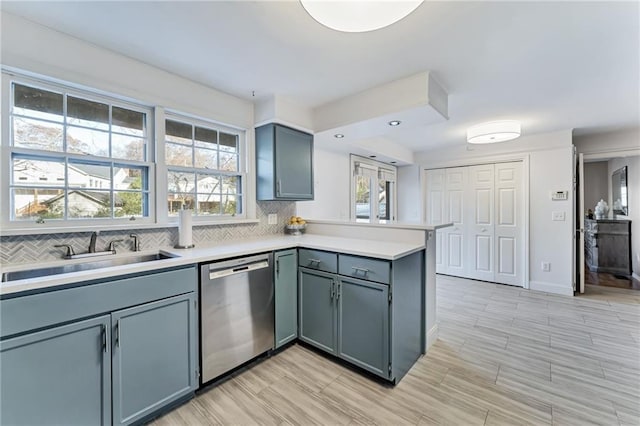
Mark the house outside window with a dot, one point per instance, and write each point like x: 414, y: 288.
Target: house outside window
x: 204, y: 168
x: 74, y: 155
x: 373, y: 192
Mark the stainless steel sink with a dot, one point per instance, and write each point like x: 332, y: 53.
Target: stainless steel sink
x: 82, y: 266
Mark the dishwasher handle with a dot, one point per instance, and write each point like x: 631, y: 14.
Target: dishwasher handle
x: 239, y: 269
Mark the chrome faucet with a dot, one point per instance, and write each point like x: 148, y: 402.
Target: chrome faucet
x: 92, y: 242
x: 112, y: 245
x: 69, y: 253
x: 136, y: 242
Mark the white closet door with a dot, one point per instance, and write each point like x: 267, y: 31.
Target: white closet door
x: 435, y: 210
x: 509, y: 227
x: 455, y: 262
x: 480, y: 222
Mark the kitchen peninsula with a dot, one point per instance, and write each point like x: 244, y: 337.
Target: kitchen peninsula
x: 375, y: 272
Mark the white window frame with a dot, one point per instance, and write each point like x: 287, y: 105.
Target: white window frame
x: 162, y: 209
x: 9, y: 77
x: 378, y: 171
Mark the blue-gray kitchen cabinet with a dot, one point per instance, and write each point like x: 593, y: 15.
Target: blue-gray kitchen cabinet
x: 369, y: 312
x: 61, y: 375
x: 154, y: 359
x: 286, y: 296
x: 284, y: 163
x: 317, y: 313
x: 363, y: 324
x: 56, y: 365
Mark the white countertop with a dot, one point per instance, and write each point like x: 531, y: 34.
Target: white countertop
x: 210, y: 252
x: 383, y: 224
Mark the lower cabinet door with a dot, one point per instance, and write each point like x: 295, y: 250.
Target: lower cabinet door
x: 286, y: 303
x: 61, y: 376
x: 154, y: 356
x: 363, y: 324
x: 317, y: 315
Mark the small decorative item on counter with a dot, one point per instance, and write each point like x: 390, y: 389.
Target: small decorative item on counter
x: 296, y: 225
x: 589, y: 214
x: 601, y: 209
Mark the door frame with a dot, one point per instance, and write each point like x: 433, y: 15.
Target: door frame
x: 494, y: 159
x: 580, y: 242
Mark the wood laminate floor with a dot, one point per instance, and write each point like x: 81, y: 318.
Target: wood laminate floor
x: 505, y: 356
x: 610, y: 280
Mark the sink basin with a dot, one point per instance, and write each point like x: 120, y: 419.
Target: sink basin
x: 83, y: 266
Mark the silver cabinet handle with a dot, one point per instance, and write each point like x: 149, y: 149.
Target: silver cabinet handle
x: 339, y: 291
x: 277, y: 267
x: 118, y: 333
x: 483, y: 230
x: 364, y: 271
x: 332, y: 290
x: 314, y: 261
x: 105, y: 347
x: 279, y: 186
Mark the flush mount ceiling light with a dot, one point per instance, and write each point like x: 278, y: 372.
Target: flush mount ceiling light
x: 338, y: 136
x: 394, y: 123
x: 493, y: 131
x: 353, y: 16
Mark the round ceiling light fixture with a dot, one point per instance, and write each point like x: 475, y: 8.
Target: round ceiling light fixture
x: 353, y: 16
x: 338, y: 136
x: 493, y: 131
x: 394, y: 123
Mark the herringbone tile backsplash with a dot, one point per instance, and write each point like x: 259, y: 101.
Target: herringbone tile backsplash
x: 40, y: 247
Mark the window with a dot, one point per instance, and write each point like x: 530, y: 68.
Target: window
x: 204, y: 171
x: 75, y: 155
x: 372, y: 190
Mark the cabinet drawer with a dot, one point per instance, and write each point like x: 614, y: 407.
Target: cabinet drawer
x: 364, y: 268
x: 320, y: 260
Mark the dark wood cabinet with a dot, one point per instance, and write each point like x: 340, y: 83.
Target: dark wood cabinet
x: 607, y: 246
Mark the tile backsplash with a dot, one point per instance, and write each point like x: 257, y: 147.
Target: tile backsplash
x: 40, y: 247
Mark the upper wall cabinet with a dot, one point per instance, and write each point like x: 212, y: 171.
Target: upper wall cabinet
x: 284, y: 163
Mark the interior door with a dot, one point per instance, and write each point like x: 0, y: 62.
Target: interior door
x: 509, y: 224
x: 455, y: 259
x: 435, y: 210
x: 480, y: 222
x: 579, y: 240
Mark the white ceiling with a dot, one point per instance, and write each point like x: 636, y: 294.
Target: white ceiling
x: 551, y: 65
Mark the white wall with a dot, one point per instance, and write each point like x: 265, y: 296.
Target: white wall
x: 410, y: 194
x: 633, y: 190
x: 595, y: 183
x: 628, y: 139
x: 38, y: 49
x: 550, y: 160
x: 331, y: 186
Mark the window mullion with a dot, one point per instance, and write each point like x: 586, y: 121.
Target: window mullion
x: 66, y: 188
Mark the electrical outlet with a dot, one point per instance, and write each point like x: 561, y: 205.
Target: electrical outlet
x: 272, y: 219
x: 559, y: 216
x: 546, y: 266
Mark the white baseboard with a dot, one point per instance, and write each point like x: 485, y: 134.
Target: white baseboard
x: 565, y: 290
x: 432, y: 336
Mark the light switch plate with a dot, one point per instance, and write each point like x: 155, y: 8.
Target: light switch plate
x: 559, y: 216
x: 272, y: 219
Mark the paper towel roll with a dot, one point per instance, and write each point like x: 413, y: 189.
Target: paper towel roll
x: 185, y: 231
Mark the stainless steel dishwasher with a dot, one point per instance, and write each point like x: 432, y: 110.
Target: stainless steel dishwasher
x: 236, y: 313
